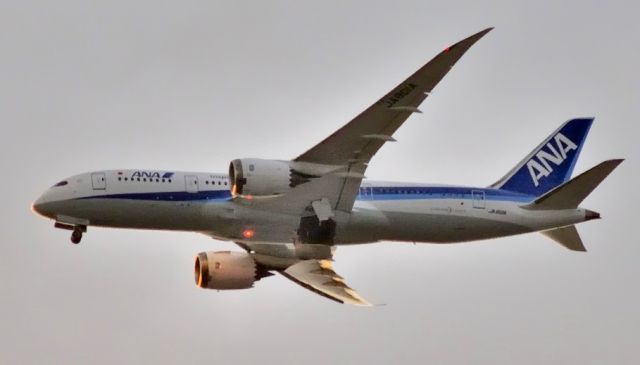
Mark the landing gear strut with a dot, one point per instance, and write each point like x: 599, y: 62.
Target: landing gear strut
x: 78, y: 230
x: 76, y: 235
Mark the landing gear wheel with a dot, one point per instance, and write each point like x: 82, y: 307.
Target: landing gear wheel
x: 76, y: 236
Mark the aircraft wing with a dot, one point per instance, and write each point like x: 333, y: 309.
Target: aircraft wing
x: 353, y: 145
x: 361, y: 138
x: 319, y: 277
x: 347, y: 152
x: 307, y: 265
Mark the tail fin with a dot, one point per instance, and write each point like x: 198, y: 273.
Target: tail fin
x: 570, y: 194
x: 551, y: 163
x: 567, y: 236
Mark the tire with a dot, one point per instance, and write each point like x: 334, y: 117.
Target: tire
x: 76, y: 236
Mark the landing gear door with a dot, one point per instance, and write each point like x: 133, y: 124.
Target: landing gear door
x: 191, y: 183
x: 99, y: 181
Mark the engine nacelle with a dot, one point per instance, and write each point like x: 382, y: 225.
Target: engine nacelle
x: 226, y: 270
x: 252, y: 176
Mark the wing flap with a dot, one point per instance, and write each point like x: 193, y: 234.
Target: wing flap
x: 319, y: 277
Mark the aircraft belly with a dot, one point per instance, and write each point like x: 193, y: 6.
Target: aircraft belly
x: 545, y: 219
x: 445, y: 220
x: 220, y: 219
x: 142, y: 214
x: 447, y: 228
x: 238, y: 223
x: 365, y: 224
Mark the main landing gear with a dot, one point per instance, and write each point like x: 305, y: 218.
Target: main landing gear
x: 78, y: 230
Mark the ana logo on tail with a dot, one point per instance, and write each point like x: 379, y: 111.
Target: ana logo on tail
x: 539, y: 166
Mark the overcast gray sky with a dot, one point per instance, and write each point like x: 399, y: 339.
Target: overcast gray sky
x: 191, y: 85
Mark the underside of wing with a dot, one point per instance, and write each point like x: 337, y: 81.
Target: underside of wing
x: 319, y: 277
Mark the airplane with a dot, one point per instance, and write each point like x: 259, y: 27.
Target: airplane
x: 288, y: 216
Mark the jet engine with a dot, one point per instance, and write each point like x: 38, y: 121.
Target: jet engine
x: 252, y: 176
x: 227, y: 270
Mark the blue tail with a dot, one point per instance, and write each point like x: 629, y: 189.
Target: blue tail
x: 551, y: 163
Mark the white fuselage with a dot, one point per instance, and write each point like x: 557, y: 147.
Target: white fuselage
x: 201, y: 202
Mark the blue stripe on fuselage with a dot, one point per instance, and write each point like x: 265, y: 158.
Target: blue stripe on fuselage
x: 168, y: 196
x: 439, y: 192
x: 379, y: 193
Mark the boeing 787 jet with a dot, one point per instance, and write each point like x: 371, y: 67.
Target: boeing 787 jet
x: 289, y: 215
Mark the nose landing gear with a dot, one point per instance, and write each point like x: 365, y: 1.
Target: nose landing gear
x: 78, y: 230
x: 76, y: 235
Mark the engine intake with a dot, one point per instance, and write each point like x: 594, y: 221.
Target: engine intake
x: 227, y: 270
x: 252, y: 176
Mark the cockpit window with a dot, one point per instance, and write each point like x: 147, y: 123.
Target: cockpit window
x: 61, y: 183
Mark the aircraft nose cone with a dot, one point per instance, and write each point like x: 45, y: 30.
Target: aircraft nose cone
x: 38, y: 206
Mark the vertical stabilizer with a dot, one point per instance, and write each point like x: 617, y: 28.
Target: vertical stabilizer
x: 551, y: 163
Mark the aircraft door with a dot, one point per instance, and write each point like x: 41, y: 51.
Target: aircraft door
x: 191, y: 183
x: 478, y: 199
x: 99, y: 181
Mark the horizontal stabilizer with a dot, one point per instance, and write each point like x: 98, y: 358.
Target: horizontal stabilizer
x: 570, y: 194
x: 567, y: 236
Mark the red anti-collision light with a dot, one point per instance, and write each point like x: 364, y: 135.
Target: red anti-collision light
x: 248, y: 233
